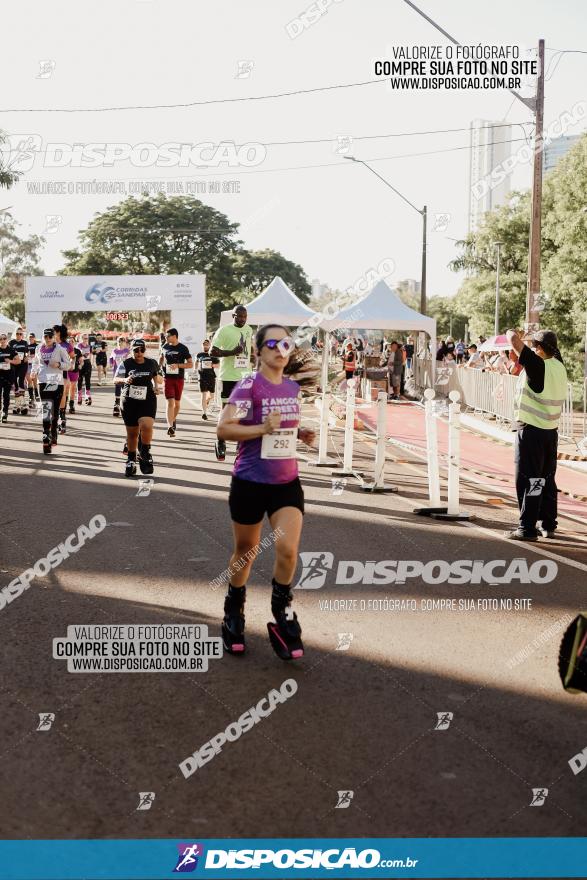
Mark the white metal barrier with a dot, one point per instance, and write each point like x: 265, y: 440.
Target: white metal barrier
x: 487, y: 392
x: 435, y: 510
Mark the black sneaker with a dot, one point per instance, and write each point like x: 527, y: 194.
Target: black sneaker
x: 116, y: 410
x: 146, y: 462
x: 71, y: 408
x: 220, y: 450
x: 518, y: 535
x: 233, y: 624
x: 205, y: 417
x: 171, y: 431
x: 62, y: 426
x: 24, y: 411
x: 4, y: 417
x: 285, y: 634
x: 130, y: 469
x: 46, y: 444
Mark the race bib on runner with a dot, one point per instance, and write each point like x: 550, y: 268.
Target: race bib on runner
x: 53, y: 381
x: 280, y: 444
x: 4, y: 365
x: 172, y: 369
x: 138, y: 392
x: 206, y: 364
x: 241, y: 362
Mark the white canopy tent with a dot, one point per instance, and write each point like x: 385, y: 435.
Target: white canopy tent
x: 7, y: 325
x: 276, y: 303
x: 381, y: 309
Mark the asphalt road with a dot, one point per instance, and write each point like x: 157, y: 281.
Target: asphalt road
x: 362, y: 720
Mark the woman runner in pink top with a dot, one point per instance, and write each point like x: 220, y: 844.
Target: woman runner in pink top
x: 263, y: 415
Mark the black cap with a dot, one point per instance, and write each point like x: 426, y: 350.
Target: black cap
x: 49, y: 331
x: 138, y: 343
x: 546, y: 339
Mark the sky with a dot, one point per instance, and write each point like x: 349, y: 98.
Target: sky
x: 330, y: 215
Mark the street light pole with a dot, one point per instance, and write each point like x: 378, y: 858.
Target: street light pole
x: 423, y: 213
x: 423, y: 301
x: 496, y: 322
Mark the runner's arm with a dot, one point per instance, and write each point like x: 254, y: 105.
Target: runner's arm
x: 221, y: 353
x: 230, y: 428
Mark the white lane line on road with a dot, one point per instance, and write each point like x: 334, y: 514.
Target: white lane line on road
x: 535, y: 548
x: 528, y: 545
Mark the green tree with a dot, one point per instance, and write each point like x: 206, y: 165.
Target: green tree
x: 256, y: 269
x: 564, y: 260
x: 18, y: 257
x: 450, y: 320
x: 564, y: 274
x: 8, y: 176
x: 510, y: 225
x: 160, y: 235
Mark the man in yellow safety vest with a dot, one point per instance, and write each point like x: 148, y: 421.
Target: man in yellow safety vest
x: 540, y: 395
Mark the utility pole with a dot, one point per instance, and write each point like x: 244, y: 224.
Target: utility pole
x: 533, y: 290
x: 496, y: 321
x: 423, y: 302
x: 536, y: 105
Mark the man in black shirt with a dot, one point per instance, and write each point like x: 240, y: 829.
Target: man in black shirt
x: 141, y: 381
x: 540, y: 395
x: 206, y: 363
x: 175, y: 359
x: 7, y: 364
x: 20, y: 349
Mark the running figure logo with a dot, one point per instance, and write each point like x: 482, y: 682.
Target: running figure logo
x: 314, y: 571
x: 52, y: 223
x: 344, y: 641
x: 146, y: 799
x: 153, y: 303
x: 344, y: 144
x: 344, y: 800
x: 244, y: 69
x: 539, y: 795
x: 444, y: 719
x: 536, y: 485
x: 46, y: 720
x: 187, y: 860
x: 46, y: 68
x: 441, y: 222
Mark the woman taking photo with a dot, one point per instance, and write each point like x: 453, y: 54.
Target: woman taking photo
x: 263, y: 415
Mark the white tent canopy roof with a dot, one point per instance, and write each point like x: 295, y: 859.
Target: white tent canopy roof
x: 381, y: 309
x: 276, y: 303
x: 7, y: 325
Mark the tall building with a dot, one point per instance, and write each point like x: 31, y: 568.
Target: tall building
x: 318, y: 289
x: 556, y: 149
x: 489, y: 146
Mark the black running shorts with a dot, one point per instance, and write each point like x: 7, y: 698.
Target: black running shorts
x: 249, y: 501
x: 227, y: 389
x: 207, y: 383
x: 133, y: 410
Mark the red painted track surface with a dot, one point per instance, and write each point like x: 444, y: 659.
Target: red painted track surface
x: 405, y: 423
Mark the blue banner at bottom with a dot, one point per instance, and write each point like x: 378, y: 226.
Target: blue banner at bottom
x: 286, y: 858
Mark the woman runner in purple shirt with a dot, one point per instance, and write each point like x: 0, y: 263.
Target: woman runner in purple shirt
x: 263, y: 415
